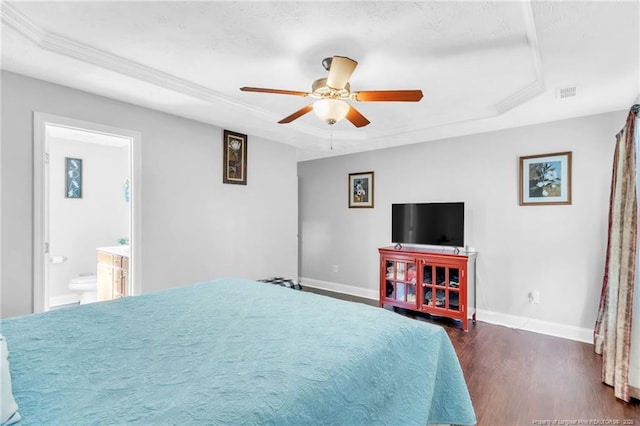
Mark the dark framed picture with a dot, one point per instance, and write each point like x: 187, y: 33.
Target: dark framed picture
x: 361, y: 189
x: 234, y: 168
x: 545, y: 179
x: 73, y: 177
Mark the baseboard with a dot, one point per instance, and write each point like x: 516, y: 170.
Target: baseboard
x: 365, y: 293
x: 512, y: 321
x: 634, y: 392
x: 634, y: 378
x: 65, y: 299
x: 537, y: 326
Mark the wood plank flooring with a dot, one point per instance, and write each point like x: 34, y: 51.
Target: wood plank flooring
x: 517, y: 377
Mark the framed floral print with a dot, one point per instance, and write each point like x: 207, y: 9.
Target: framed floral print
x: 361, y: 189
x: 545, y: 179
x: 234, y: 169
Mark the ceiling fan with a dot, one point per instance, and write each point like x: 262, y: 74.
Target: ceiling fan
x: 332, y: 92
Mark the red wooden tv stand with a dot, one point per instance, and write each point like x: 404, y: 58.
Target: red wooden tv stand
x: 429, y: 280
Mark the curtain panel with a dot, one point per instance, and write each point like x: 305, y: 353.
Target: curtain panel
x: 612, y: 333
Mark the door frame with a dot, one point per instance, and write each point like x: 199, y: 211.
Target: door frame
x: 41, y: 201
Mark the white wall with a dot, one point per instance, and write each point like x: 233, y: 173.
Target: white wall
x: 79, y: 225
x: 558, y: 250
x: 194, y: 227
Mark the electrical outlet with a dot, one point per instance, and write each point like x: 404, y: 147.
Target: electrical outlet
x: 335, y: 268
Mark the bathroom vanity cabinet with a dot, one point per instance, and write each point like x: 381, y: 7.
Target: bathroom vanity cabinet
x: 113, y: 273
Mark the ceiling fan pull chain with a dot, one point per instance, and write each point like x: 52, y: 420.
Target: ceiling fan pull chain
x: 331, y: 137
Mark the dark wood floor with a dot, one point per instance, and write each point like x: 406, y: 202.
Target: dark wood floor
x: 518, y: 377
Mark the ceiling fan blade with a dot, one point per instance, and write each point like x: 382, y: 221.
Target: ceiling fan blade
x: 340, y: 72
x: 299, y: 113
x: 276, y: 91
x: 388, y: 96
x: 356, y: 118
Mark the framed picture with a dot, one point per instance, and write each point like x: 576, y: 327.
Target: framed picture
x: 361, y: 189
x: 545, y: 179
x: 73, y: 177
x: 234, y: 169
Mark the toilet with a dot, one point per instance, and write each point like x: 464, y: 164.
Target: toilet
x: 86, y: 286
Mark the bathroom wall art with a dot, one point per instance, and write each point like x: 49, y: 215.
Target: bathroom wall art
x: 127, y: 193
x: 234, y: 168
x: 73, y: 177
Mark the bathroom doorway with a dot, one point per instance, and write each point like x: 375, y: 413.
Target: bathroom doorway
x: 86, y: 194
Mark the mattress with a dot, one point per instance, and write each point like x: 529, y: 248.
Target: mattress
x: 233, y: 352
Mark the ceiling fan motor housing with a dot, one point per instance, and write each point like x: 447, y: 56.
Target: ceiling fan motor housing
x: 326, y: 63
x: 320, y: 90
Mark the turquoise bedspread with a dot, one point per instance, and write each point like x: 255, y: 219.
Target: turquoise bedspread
x: 233, y: 352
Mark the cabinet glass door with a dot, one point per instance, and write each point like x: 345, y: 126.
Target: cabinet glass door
x: 400, y: 277
x: 440, y: 287
x: 453, y: 284
x: 429, y: 280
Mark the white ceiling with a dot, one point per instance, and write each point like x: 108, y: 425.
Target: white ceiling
x: 482, y: 65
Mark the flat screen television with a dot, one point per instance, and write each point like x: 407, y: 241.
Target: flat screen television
x: 439, y: 224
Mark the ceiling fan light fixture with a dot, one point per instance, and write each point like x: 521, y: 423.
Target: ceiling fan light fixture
x: 331, y: 110
x: 331, y: 92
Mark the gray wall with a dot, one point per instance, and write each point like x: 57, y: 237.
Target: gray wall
x: 194, y: 227
x: 557, y: 250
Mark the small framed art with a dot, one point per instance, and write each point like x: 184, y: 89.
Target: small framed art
x: 361, y: 189
x: 234, y: 168
x: 73, y: 177
x: 545, y: 179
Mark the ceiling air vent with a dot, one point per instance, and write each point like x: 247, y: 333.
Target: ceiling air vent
x: 566, y: 92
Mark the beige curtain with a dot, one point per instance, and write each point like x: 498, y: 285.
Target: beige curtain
x: 612, y: 333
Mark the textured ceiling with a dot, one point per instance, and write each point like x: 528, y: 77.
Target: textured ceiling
x: 482, y: 65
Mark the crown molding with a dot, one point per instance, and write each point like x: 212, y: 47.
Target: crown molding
x: 58, y: 44
x: 85, y: 53
x: 61, y: 45
x: 537, y: 86
x: 64, y: 46
x: 517, y: 98
x: 10, y: 16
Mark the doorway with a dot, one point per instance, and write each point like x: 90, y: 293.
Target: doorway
x: 86, y: 197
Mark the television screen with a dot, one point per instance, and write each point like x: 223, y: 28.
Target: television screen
x: 428, y: 223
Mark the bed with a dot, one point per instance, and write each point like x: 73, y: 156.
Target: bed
x: 233, y: 352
